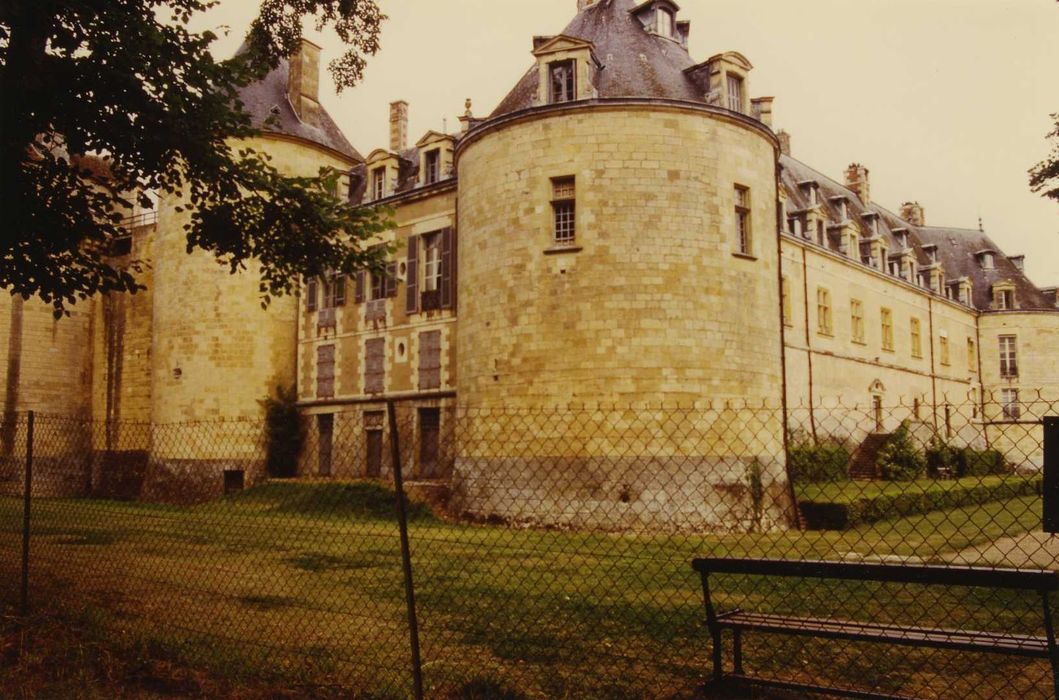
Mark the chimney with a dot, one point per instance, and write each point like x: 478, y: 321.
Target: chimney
x: 761, y: 108
x: 785, y: 142
x: 913, y: 213
x: 398, y: 126
x: 857, y: 180
x: 303, y: 82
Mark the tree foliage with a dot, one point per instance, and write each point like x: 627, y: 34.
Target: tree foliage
x: 102, y: 101
x: 1044, y: 177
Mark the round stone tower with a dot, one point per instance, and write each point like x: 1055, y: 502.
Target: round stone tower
x: 618, y: 236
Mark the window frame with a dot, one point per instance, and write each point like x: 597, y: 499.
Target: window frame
x: 886, y: 321
x: 824, y: 319
x: 569, y: 89
x: 916, y: 332
x: 431, y: 261
x: 432, y: 166
x: 1009, y: 403
x: 744, y: 236
x: 564, y: 211
x: 378, y: 183
x: 856, y: 321
x: 1009, y: 361
x: 735, y: 86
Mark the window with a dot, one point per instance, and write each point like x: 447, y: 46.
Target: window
x: 917, y: 338
x: 562, y: 83
x: 374, y: 365
x: 735, y: 93
x: 742, y: 219
x: 334, y: 291
x: 432, y: 262
x: 378, y: 183
x: 821, y: 237
x: 325, y: 372
x: 788, y: 311
x: 1005, y: 299
x: 972, y: 355
x: 429, y: 442
x: 823, y: 311
x: 311, y: 294
x: 432, y: 163
x: 987, y: 261
x: 664, y: 20
x: 1009, y: 366
x: 1009, y: 401
x: 856, y: 314
x: 565, y: 210
x: 943, y: 349
x: 430, y: 360
x: 887, y: 317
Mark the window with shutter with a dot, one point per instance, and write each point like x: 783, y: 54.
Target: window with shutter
x: 391, y: 280
x: 340, y: 290
x: 310, y: 294
x: 358, y: 288
x: 412, y: 276
x: 325, y: 372
x: 374, y: 365
x: 430, y: 360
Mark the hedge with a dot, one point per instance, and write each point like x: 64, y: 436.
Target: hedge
x: 810, y: 464
x: 843, y: 514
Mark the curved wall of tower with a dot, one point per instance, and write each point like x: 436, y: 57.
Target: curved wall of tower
x: 653, y: 307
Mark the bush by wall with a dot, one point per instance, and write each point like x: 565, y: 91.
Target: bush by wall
x: 899, y: 460
x: 812, y: 463
x: 847, y: 507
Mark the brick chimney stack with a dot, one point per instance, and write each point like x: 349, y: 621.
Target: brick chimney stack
x: 913, y: 213
x: 303, y: 82
x: 785, y: 142
x: 858, y: 181
x: 398, y: 126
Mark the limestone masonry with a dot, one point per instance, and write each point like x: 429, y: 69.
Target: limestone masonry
x: 624, y: 230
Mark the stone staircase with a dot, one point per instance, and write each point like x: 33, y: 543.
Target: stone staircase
x: 863, y: 466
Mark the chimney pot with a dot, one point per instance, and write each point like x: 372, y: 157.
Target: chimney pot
x: 857, y: 180
x: 398, y: 126
x: 913, y: 213
x: 785, y: 142
x: 303, y: 82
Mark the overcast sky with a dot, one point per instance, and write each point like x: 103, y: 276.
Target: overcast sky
x: 946, y: 101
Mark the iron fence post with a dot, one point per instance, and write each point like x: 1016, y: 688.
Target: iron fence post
x: 27, y: 491
x: 1051, y: 474
x: 406, y: 555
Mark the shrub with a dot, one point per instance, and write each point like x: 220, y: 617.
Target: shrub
x: 974, y: 462
x: 284, y: 432
x: 899, y: 460
x: 813, y: 463
x: 941, y: 457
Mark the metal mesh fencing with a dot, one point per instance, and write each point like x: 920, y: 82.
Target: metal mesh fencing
x: 550, y: 547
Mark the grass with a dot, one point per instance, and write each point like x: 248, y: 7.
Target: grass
x: 851, y: 491
x: 302, y: 584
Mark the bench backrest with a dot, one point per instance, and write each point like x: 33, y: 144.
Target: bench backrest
x: 973, y: 576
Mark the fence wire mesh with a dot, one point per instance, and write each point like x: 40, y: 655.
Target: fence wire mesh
x: 551, y: 547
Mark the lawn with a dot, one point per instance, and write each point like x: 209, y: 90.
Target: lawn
x: 302, y: 584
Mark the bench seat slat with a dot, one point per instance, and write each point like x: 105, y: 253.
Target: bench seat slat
x: 1018, y: 579
x: 994, y: 642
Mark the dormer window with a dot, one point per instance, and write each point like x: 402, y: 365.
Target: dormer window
x: 432, y: 166
x: 562, y: 81
x: 1004, y: 296
x: 378, y: 183
x: 664, y: 22
x: 988, y: 261
x: 735, y: 93
x: 902, y: 239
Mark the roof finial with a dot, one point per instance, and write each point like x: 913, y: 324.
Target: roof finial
x: 981, y: 227
x: 467, y: 106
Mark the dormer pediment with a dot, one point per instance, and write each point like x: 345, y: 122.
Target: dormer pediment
x: 379, y: 155
x: 734, y: 58
x: 432, y: 137
x: 546, y: 45
x: 652, y: 4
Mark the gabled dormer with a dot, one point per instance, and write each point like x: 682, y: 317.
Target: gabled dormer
x: 901, y: 238
x: 964, y: 291
x: 567, y: 67
x: 871, y: 224
x: 811, y: 190
x: 723, y: 80
x: 1004, y: 298
x: 384, y: 169
x: 931, y: 250
x: 659, y: 17
x: 841, y: 205
x: 435, y: 157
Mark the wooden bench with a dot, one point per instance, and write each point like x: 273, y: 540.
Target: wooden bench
x: 740, y: 621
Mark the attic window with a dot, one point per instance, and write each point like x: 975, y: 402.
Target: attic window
x: 735, y: 93
x: 433, y: 166
x: 664, y: 22
x: 988, y: 262
x: 378, y: 183
x: 562, y: 83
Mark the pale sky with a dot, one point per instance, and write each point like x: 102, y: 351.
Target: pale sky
x: 946, y: 101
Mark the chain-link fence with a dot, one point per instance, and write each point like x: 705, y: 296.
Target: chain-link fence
x: 550, y: 548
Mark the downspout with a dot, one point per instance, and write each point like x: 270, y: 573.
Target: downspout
x: 981, y: 380
x: 808, y: 342
x: 796, y: 519
x: 933, y: 376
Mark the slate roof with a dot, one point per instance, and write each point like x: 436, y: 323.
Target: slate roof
x: 268, y: 97
x: 635, y: 62
x: 956, y: 247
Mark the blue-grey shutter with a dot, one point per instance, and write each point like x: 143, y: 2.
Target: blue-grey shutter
x: 448, y: 268
x: 390, y: 285
x: 358, y: 292
x: 412, y: 276
x: 310, y: 294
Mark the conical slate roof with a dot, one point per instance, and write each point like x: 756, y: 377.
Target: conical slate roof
x: 636, y: 62
x: 268, y: 98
